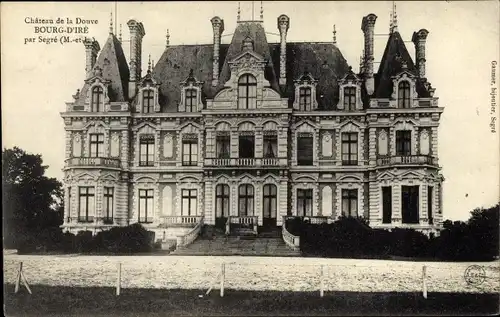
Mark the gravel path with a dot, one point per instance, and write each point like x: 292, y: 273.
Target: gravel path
x: 249, y: 273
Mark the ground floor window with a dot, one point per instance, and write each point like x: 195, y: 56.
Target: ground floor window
x: 222, y: 201
x: 409, y: 203
x: 86, y: 211
x: 270, y: 201
x: 189, y: 201
x: 145, y: 209
x: 304, y: 202
x: 246, y: 200
x: 108, y: 205
x: 350, y: 202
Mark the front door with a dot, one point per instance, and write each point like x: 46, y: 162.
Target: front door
x: 221, y: 205
x: 269, y: 206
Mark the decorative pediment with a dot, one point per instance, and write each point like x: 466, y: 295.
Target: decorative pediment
x: 191, y: 80
x: 145, y: 179
x: 411, y: 175
x: 304, y: 126
x: 189, y: 179
x: 350, y: 179
x: 109, y: 178
x: 97, y: 77
x: 405, y: 123
x: 86, y: 177
x: 246, y: 178
x: 386, y: 176
x: 306, y: 79
x: 248, y: 59
x: 305, y: 178
x: 270, y: 178
x: 222, y: 179
x: 96, y: 125
x: 305, y: 93
x: 350, y: 78
x: 189, y: 127
x: 350, y: 126
x: 145, y: 127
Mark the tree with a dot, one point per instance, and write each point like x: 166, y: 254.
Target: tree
x: 31, y: 201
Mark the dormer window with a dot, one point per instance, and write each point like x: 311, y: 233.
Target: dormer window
x: 97, y: 99
x: 305, y: 93
x: 148, y: 101
x: 305, y: 99
x: 350, y: 98
x: 247, y: 92
x: 404, y: 94
x: 191, y: 100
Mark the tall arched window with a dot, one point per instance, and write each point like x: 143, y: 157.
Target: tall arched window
x: 245, y: 197
x: 97, y: 99
x: 222, y: 201
x: 404, y: 94
x: 148, y: 101
x: 247, y: 92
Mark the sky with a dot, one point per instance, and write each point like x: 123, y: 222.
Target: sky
x: 38, y: 78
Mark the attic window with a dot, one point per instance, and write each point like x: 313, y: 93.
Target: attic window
x: 404, y: 94
x: 190, y: 100
x: 147, y: 101
x: 350, y: 98
x: 305, y: 98
x: 97, y: 98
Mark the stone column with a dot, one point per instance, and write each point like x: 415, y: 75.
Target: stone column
x: 283, y: 25
x: 234, y: 142
x: 372, y: 146
x: 419, y: 38
x: 209, y: 204
x: 218, y: 28
x: 368, y: 27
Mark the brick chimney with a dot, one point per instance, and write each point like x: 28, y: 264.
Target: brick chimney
x: 136, y: 34
x: 218, y: 28
x: 419, y: 39
x: 283, y: 25
x: 91, y: 50
x: 368, y: 27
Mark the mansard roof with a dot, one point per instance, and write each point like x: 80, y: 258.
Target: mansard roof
x: 113, y: 64
x: 395, y: 55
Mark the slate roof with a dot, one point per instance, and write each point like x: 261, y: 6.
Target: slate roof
x: 114, y: 67
x: 391, y: 64
x: 323, y: 61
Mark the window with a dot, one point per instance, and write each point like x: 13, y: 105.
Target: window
x: 86, y: 210
x: 190, y: 100
x: 403, y: 143
x: 108, y: 205
x: 145, y: 205
x: 246, y: 145
x: 304, y: 202
x: 222, y: 201
x: 350, y: 148
x: 270, y: 146
x: 409, y: 201
x: 188, y: 207
x: 386, y: 204
x: 96, y: 145
x: 430, y: 196
x: 404, y: 94
x: 147, y: 150
x: 223, y: 146
x: 350, y: 98
x: 247, y: 92
x: 305, y: 98
x: 350, y: 202
x: 97, y: 99
x: 270, y: 201
x: 305, y: 149
x: 69, y: 205
x: 190, y: 152
x: 148, y: 101
x: 245, y: 198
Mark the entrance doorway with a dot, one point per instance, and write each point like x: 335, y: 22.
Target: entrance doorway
x: 221, y: 205
x: 270, y: 201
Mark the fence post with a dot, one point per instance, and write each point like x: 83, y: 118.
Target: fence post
x: 424, y: 281
x: 222, y: 273
x: 118, y: 279
x: 18, y: 279
x: 322, y: 281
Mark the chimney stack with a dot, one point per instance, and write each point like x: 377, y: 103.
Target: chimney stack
x: 368, y: 27
x: 218, y: 28
x: 136, y: 34
x: 91, y: 50
x: 283, y: 25
x: 419, y: 39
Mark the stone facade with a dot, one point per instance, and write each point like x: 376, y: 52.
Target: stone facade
x: 356, y: 148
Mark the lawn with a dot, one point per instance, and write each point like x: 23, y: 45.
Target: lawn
x: 102, y: 301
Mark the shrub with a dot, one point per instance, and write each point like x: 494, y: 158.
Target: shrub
x: 131, y: 239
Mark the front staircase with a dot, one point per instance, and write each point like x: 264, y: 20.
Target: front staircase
x: 214, y: 241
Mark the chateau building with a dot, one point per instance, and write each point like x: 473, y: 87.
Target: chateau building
x: 252, y: 131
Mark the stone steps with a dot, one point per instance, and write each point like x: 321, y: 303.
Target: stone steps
x: 237, y: 246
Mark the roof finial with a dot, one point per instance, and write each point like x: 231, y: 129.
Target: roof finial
x: 261, y: 12
x: 239, y: 13
x: 111, y: 23
x: 168, y: 38
x: 394, y: 18
x: 149, y: 63
x: 334, y: 35
x: 120, y: 35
